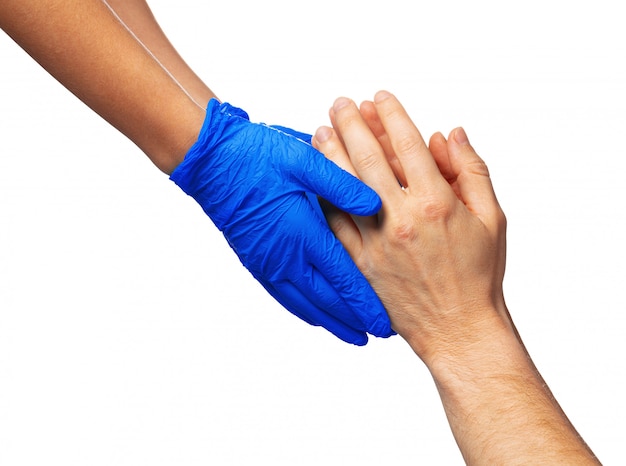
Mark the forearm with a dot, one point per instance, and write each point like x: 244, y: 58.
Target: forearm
x: 499, y: 408
x: 138, y: 17
x: 83, y: 45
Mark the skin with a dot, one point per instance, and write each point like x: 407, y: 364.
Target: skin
x: 138, y: 17
x: 435, y: 254
x: 94, y: 55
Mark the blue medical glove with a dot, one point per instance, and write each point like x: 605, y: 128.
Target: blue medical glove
x: 303, y: 136
x: 252, y: 180
x: 306, y: 138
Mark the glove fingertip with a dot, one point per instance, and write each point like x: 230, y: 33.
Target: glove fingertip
x: 379, y: 324
x: 360, y: 341
x: 370, y: 204
x: 374, y: 316
x: 381, y: 327
x: 355, y: 197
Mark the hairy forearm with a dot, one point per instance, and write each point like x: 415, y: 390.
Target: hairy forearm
x: 499, y: 407
x: 83, y: 45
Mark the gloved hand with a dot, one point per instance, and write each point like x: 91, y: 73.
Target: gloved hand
x: 303, y: 136
x: 252, y: 180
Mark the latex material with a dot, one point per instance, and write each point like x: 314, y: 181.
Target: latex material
x: 255, y: 182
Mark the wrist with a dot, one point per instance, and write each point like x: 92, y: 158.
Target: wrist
x: 448, y: 339
x: 499, y: 407
x: 492, y: 352
x: 178, y: 138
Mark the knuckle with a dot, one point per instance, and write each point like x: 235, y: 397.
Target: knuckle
x: 404, y: 230
x: 435, y: 209
x: 370, y: 160
x: 478, y: 167
x: 348, y: 117
x: 407, y: 144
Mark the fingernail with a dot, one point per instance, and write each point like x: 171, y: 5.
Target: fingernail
x: 323, y: 134
x: 460, y: 136
x: 340, y: 103
x: 381, y: 96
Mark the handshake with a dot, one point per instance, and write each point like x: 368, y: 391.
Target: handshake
x: 363, y: 229
x: 413, y: 240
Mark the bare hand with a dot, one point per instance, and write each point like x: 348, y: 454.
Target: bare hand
x: 435, y: 253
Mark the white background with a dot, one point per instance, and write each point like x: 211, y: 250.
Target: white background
x: 131, y: 335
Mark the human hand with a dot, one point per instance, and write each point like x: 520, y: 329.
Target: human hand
x: 435, y: 252
x: 252, y: 180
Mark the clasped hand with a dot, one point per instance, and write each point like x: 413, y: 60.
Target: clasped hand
x: 435, y: 252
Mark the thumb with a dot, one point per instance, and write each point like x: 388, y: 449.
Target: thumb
x: 326, y: 179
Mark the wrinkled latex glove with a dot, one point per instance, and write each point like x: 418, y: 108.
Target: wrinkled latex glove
x: 306, y: 138
x: 252, y: 180
x: 302, y: 136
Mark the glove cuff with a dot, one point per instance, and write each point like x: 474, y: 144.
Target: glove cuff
x: 204, y: 173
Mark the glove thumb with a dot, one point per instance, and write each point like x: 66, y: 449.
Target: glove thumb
x: 326, y: 179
